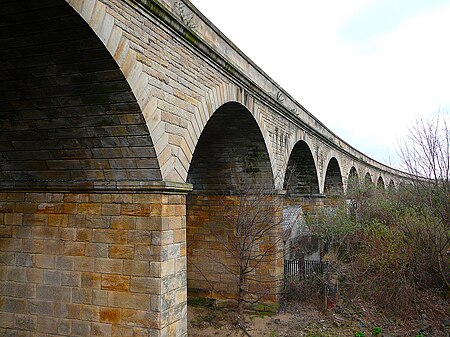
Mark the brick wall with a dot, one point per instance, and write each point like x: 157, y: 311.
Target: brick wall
x: 92, y: 264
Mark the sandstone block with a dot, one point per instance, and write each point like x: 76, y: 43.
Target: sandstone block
x: 110, y: 315
x: 83, y: 263
x: 64, y: 327
x: 68, y: 310
x: 141, y: 318
x: 47, y: 325
x: 44, y: 261
x: 121, y: 251
x: 101, y: 329
x: 71, y: 279
x: 110, y: 236
x: 81, y: 328
x: 136, y: 268
x: 58, y: 220
x: 115, y: 282
x: 100, y: 297
x: 81, y: 295
x: 109, y: 266
x: 97, y: 249
x: 72, y: 248
x: 147, y: 285
x: 90, y: 280
x: 128, y: 300
x: 90, y: 313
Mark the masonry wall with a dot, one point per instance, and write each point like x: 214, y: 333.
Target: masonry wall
x: 209, y: 233
x: 92, y: 264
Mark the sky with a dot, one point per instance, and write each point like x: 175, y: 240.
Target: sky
x: 365, y: 68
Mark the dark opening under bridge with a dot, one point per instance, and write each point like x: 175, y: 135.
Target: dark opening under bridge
x: 120, y: 122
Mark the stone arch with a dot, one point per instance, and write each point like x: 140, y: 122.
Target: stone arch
x: 174, y: 149
x: 368, y: 179
x: 230, y: 163
x: 333, y: 184
x: 293, y: 140
x: 391, y: 185
x: 353, y: 173
x: 380, y: 183
x: 352, y: 179
x: 70, y: 114
x: 231, y: 154
x: 301, y: 174
x: 218, y: 97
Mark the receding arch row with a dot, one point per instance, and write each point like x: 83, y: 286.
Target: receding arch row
x: 174, y: 144
x: 379, y: 182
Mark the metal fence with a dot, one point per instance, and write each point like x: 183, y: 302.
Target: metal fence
x: 299, y: 269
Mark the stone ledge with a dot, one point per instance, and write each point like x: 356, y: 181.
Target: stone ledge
x: 168, y: 187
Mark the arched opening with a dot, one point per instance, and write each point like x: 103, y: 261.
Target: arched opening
x: 68, y: 116
x: 353, y: 173
x: 302, y: 197
x: 301, y: 174
x: 71, y: 128
x: 333, y: 179
x: 229, y: 168
x: 353, y: 180
x: 380, y: 183
x: 391, y: 185
x: 368, y: 179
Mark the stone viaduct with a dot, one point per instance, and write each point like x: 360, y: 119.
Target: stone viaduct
x: 127, y: 128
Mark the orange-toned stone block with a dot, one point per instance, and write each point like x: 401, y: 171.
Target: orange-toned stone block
x: 58, y: 220
x: 136, y: 209
x: 110, y: 315
x: 70, y: 208
x: 84, y: 234
x: 116, y: 282
x: 89, y: 208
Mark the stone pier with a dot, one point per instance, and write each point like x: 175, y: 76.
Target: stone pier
x: 93, y: 263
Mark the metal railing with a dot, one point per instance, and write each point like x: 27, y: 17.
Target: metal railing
x: 298, y: 269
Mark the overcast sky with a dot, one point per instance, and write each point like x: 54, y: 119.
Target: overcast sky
x: 365, y: 68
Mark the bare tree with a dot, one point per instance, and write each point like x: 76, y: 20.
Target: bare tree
x: 253, y: 245
x: 426, y: 156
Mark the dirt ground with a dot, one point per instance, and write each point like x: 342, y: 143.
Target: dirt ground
x: 306, y: 320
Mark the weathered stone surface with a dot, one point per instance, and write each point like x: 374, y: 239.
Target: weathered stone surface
x: 105, y: 113
x: 115, y: 282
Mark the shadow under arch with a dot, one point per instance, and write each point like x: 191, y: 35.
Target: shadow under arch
x: 69, y: 116
x: 301, y: 174
x: 230, y: 162
x: 231, y: 155
x: 352, y: 179
x: 391, y: 185
x: 333, y: 179
x: 368, y: 179
x: 380, y: 183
